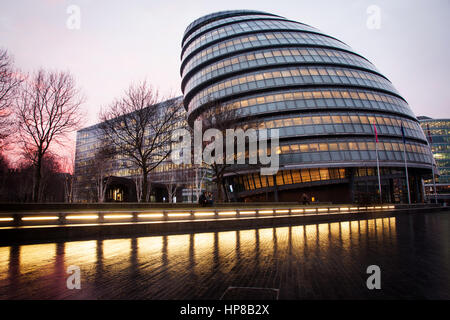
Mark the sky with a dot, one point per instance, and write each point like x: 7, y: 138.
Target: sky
x: 119, y: 42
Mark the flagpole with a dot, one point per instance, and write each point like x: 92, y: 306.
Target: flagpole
x: 432, y: 162
x: 406, y: 172
x: 378, y: 170
x: 406, y: 165
x: 434, y: 179
x: 378, y: 162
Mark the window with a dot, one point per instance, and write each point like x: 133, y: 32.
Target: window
x: 315, y: 175
x: 333, y: 147
x: 287, y: 177
x: 305, y: 175
x: 324, y: 174
x: 336, y: 119
x: 279, y: 178
x: 304, y: 148
x: 296, y: 176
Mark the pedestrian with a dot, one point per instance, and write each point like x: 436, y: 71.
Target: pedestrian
x: 202, y: 199
x: 305, y: 199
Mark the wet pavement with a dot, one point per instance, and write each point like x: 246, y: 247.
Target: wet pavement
x: 319, y: 261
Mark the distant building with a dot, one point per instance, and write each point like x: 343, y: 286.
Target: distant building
x: 122, y: 175
x: 437, y: 132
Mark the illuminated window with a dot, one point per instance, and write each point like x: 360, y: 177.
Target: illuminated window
x: 263, y: 181
x: 333, y: 147
x: 315, y: 175
x: 324, y: 174
x: 257, y: 181
x: 296, y: 176
x: 287, y: 177
x: 279, y: 178
x: 270, y: 181
x: 305, y: 175
x: 313, y: 147
x: 336, y: 119
x: 352, y: 146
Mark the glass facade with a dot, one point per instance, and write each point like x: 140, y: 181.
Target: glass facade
x: 438, y: 134
x: 324, y: 98
x: 125, y: 172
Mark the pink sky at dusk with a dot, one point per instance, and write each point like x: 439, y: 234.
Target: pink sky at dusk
x: 124, y: 41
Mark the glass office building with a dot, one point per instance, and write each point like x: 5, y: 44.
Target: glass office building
x: 123, y: 175
x: 324, y: 98
x: 437, y: 132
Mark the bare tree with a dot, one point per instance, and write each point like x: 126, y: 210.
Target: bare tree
x: 173, y: 183
x: 139, y: 127
x: 99, y: 167
x: 200, y: 174
x: 4, y: 172
x: 138, y: 183
x: 221, y: 117
x: 9, y: 83
x: 68, y: 187
x: 47, y: 109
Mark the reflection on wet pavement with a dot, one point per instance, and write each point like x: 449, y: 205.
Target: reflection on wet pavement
x: 319, y: 261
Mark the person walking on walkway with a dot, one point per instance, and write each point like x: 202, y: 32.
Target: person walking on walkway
x: 304, y: 199
x: 202, y: 200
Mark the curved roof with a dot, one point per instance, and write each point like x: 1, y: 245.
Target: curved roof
x: 219, y: 15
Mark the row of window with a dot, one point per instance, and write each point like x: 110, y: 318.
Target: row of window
x: 216, y: 23
x: 352, y: 156
x: 437, y: 132
x: 257, y: 181
x: 329, y: 98
x: 257, y: 41
x: 276, y: 56
x: 337, y: 118
x: 438, y: 124
x: 440, y: 147
x: 127, y: 169
x: 336, y: 129
x: 289, y: 76
x: 442, y: 155
x: 340, y: 123
x: 352, y: 146
x: 241, y: 27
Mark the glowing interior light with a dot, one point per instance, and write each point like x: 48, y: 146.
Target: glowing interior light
x: 202, y: 214
x: 344, y: 209
x: 6, y: 219
x: 247, y: 212
x: 362, y: 208
x: 282, y: 211
x: 354, y: 208
x: 265, y: 211
x: 150, y: 215
x: 385, y: 207
x: 39, y: 218
x: 322, y: 209
x: 296, y: 210
x: 378, y: 207
x: 179, y: 214
x: 82, y: 217
x: 369, y: 208
x: 224, y: 213
x: 333, y: 209
x: 391, y: 207
x: 310, y: 210
x: 118, y: 216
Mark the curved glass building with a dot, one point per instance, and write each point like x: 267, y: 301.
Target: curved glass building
x: 324, y: 99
